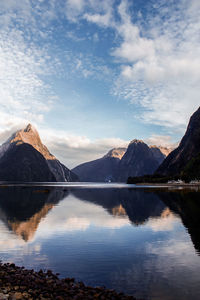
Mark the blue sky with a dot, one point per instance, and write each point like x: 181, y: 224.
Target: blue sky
x: 92, y: 75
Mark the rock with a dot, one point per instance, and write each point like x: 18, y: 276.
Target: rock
x: 39, y: 287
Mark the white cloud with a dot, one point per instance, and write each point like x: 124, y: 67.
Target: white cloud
x: 87, y: 66
x: 161, y: 140
x: 98, y: 19
x: 159, y: 56
x: 166, y: 222
x: 24, y: 94
x: 160, y: 66
x: 134, y: 47
x: 74, y: 8
x: 73, y: 150
x: 102, y: 15
x: 99, y: 12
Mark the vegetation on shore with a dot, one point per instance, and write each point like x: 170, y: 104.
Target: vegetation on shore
x: 189, y: 173
x: 187, y: 178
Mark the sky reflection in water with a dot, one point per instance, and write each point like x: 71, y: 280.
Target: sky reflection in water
x: 132, y: 240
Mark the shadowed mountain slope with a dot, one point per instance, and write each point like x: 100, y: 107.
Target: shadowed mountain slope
x: 183, y: 159
x: 103, y: 169
x: 138, y: 160
x: 24, y: 158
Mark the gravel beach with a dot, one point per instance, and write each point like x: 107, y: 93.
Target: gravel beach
x: 20, y: 283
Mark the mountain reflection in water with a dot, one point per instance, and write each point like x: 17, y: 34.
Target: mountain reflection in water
x: 22, y: 209
x: 108, y: 231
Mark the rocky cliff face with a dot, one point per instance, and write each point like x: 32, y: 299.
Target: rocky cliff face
x: 187, y: 151
x: 116, y: 153
x: 160, y: 152
x: 139, y: 159
x: 24, y: 158
x: 104, y: 169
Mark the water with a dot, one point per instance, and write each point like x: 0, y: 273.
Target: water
x: 142, y: 241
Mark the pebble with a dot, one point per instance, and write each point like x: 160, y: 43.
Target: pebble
x: 17, y: 283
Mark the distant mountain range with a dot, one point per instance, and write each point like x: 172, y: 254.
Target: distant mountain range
x: 23, y: 157
x: 120, y: 163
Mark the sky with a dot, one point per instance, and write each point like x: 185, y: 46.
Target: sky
x: 91, y: 75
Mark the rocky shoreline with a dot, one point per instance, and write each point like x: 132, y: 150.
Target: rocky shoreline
x: 19, y: 283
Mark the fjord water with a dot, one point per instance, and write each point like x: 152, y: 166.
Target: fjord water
x: 144, y: 241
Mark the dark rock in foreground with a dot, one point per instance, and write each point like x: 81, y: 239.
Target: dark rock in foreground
x: 19, y: 283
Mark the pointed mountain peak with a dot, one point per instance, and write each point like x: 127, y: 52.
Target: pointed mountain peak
x: 136, y: 141
x: 29, y: 127
x: 116, y: 153
x: 29, y: 135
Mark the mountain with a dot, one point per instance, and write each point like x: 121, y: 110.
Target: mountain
x: 103, y: 169
x: 139, y: 159
x: 185, y: 160
x: 120, y: 163
x: 164, y: 151
x: 23, y: 157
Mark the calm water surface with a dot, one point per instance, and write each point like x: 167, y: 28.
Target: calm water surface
x: 145, y: 242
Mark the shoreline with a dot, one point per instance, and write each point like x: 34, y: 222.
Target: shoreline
x: 93, y: 184
x: 169, y: 184
x: 18, y: 283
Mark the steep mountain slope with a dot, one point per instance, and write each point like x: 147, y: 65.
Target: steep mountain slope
x: 138, y: 160
x: 24, y: 158
x: 179, y: 160
x: 101, y: 170
x: 158, y: 153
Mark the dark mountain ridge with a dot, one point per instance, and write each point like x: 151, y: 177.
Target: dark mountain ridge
x: 138, y: 160
x: 179, y: 161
